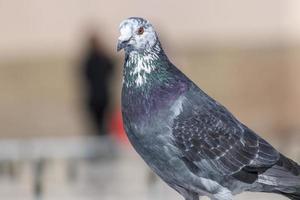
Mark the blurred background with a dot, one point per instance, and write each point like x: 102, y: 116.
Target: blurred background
x: 61, y: 133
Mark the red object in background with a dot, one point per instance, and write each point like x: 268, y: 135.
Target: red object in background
x: 115, y: 127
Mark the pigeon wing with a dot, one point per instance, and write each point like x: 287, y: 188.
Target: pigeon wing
x: 214, y: 143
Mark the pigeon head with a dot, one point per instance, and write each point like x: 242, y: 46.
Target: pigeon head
x: 136, y: 34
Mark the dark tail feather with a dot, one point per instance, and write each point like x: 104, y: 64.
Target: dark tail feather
x: 293, y: 196
x: 286, y: 178
x: 289, y: 165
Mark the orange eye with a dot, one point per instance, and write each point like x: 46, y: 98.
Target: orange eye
x: 140, y: 31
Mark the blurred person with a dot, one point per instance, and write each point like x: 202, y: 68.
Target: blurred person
x: 97, y: 70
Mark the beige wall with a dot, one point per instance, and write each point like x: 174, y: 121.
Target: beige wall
x: 41, y: 96
x: 244, y: 53
x: 35, y: 25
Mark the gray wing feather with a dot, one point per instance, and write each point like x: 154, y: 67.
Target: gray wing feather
x: 213, y: 141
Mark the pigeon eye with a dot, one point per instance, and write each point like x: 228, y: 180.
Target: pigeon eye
x: 140, y: 31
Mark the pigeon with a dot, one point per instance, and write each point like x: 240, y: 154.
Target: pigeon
x: 192, y: 142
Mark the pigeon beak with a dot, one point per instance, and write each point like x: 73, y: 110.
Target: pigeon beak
x: 121, y: 44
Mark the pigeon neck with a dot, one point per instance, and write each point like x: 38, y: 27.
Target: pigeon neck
x: 141, y: 67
